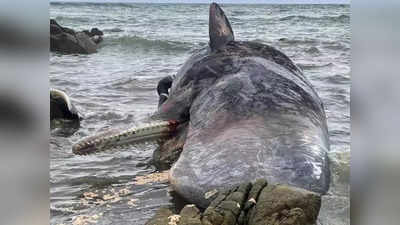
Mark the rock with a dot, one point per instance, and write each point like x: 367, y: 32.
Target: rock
x: 66, y: 40
x: 237, y: 196
x: 95, y: 31
x: 86, y: 42
x: 190, y: 215
x: 254, y: 192
x: 277, y: 203
x: 242, y: 218
x: 272, y: 205
x: 97, y: 39
x: 211, y: 216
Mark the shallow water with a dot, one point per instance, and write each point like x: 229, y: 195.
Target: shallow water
x: 116, y: 88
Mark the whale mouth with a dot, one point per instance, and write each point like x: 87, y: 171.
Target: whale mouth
x: 130, y: 137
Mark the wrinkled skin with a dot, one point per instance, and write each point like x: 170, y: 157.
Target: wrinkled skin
x: 251, y: 114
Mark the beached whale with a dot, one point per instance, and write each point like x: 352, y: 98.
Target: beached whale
x: 241, y: 111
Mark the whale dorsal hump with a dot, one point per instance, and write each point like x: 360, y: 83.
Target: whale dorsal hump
x: 219, y: 28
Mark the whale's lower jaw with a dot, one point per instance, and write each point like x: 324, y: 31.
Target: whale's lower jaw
x: 115, y: 138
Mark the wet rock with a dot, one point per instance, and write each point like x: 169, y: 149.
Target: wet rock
x: 279, y: 204
x: 254, y: 192
x: 95, y: 31
x: 190, y: 215
x: 242, y: 218
x: 229, y: 206
x: 237, y: 196
x: 272, y: 205
x: 211, y: 216
x: 66, y: 40
x: 190, y: 211
x: 220, y: 197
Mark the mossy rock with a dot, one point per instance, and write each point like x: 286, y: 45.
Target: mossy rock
x: 280, y: 204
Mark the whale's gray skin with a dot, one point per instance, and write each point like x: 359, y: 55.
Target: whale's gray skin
x: 251, y: 114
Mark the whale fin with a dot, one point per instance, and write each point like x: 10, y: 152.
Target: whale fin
x: 220, y: 29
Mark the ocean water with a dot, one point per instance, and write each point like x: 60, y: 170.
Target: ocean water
x: 116, y: 88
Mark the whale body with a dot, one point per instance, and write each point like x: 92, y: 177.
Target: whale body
x: 249, y: 113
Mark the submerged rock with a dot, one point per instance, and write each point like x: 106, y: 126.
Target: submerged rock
x: 249, y: 204
x: 66, y: 40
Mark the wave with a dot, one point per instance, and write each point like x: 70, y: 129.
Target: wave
x: 307, y: 66
x: 342, y: 18
x: 113, y: 30
x: 78, y: 19
x: 299, y: 41
x: 120, y: 4
x: 144, y: 43
x: 338, y: 79
x: 313, y: 50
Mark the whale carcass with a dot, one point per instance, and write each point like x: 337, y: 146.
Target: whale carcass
x: 245, y: 111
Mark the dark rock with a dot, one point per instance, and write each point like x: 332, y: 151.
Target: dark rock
x: 237, y: 196
x: 221, y: 197
x: 69, y: 30
x: 275, y: 205
x: 244, y: 188
x: 95, y: 31
x: 229, y: 206
x: 242, y: 218
x: 97, y: 39
x: 254, y: 192
x: 276, y: 200
x: 66, y: 40
x: 54, y: 29
x: 86, y: 42
x: 211, y: 216
x: 190, y: 211
x: 87, y: 32
x: 229, y: 218
x: 190, y: 215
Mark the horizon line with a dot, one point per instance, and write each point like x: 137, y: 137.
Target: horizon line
x: 201, y: 3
